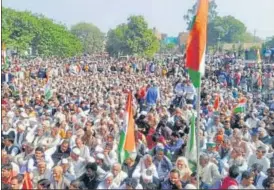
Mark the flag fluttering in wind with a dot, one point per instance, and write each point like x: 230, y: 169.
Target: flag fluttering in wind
x: 196, y: 44
x: 27, y: 182
x: 240, y: 108
x: 48, y: 91
x: 216, y: 102
x: 191, y: 149
x: 127, y: 136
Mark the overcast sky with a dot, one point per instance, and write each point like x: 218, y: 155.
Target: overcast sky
x: 165, y: 15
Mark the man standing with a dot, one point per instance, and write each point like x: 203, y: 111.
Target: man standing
x: 152, y: 96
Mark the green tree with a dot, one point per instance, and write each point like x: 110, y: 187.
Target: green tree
x: 91, y: 37
x: 133, y: 38
x: 250, y: 38
x: 116, y: 43
x: 24, y: 30
x: 227, y: 29
x: 167, y: 48
x: 212, y: 13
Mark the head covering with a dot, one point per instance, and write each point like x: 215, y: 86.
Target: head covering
x: 24, y: 115
x: 210, y: 143
x: 91, y: 159
x: 254, y: 132
x: 64, y: 161
x: 100, y: 156
x: 233, y: 187
x: 109, y: 174
x: 147, y: 175
x: 143, y: 113
x: 76, y: 151
x: 219, y: 138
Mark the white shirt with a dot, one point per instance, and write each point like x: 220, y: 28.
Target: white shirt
x: 48, y: 160
x: 247, y: 187
x: 265, y: 162
x: 120, y: 177
x: 77, y: 166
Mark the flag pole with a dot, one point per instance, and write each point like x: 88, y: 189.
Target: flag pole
x: 198, y: 108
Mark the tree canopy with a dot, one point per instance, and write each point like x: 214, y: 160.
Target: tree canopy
x: 24, y: 30
x: 212, y: 13
x: 91, y: 37
x: 134, y: 37
x: 226, y: 29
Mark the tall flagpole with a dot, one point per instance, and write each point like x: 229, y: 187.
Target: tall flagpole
x: 198, y: 108
x: 195, y: 56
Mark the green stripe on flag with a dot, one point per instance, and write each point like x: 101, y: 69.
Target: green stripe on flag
x: 192, y: 134
x: 122, y: 153
x: 191, y: 150
x: 240, y: 109
x: 195, y: 77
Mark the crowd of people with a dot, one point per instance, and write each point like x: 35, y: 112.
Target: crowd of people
x: 62, y: 118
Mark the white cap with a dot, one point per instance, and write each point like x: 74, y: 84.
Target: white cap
x: 76, y: 151
x: 24, y: 115
x: 100, y: 156
x: 147, y: 175
x: 233, y: 187
x: 22, y: 109
x: 143, y: 113
x: 64, y: 161
x: 91, y: 159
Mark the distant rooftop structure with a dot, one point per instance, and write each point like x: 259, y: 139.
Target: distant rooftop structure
x: 157, y: 34
x: 182, y: 38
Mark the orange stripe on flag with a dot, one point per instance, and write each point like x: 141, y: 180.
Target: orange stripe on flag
x: 216, y: 102
x: 27, y: 183
x: 130, y: 136
x: 196, y: 44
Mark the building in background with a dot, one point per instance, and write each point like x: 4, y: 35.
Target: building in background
x: 182, y: 38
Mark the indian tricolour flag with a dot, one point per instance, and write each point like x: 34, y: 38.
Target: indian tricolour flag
x: 48, y: 91
x: 191, y: 149
x: 196, y: 44
x: 127, y: 136
x: 240, y: 108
